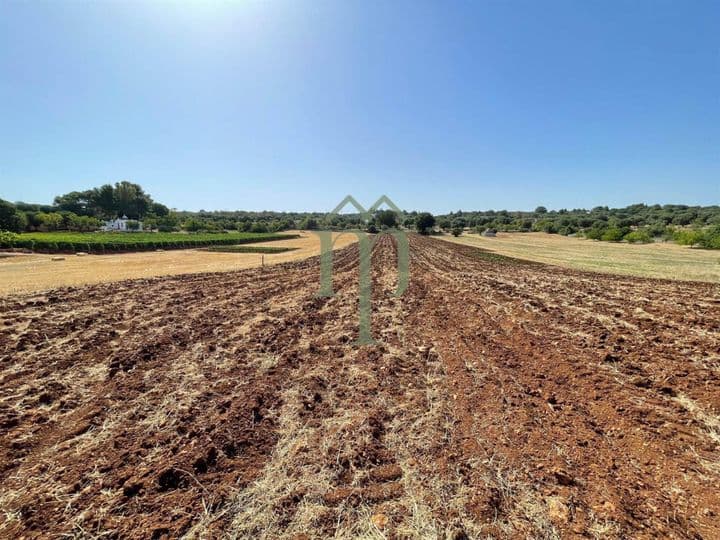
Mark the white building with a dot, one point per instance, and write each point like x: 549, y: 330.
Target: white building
x: 120, y: 224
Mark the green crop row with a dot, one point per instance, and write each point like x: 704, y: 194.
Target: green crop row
x: 248, y: 249
x: 119, y: 242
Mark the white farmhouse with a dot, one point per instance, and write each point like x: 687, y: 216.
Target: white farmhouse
x: 120, y: 225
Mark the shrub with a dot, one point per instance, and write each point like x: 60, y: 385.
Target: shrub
x: 8, y: 239
x: 457, y: 231
x: 549, y: 227
x: 688, y: 237
x: 386, y: 218
x: 613, y: 234
x: 25, y: 243
x: 711, y: 238
x: 567, y: 231
x: 11, y: 219
x: 594, y: 233
x: 193, y: 225
x: 656, y: 230
x: 640, y: 236
x: 309, y: 224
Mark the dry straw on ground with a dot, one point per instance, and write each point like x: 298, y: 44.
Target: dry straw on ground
x: 25, y: 273
x: 658, y: 260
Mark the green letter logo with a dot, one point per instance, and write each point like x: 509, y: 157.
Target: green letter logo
x: 365, y: 244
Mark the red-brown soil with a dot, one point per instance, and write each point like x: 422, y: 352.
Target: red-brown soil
x: 505, y: 399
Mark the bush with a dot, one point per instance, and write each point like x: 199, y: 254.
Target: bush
x: 386, y: 219
x: 140, y: 241
x: 711, y: 238
x: 688, y: 237
x: 640, y: 236
x: 193, y: 225
x: 25, y: 243
x: 8, y: 239
x: 549, y: 227
x: 545, y: 225
x: 309, y: 224
x: 259, y: 227
x: 11, y: 219
x: 613, y: 234
x: 457, y: 231
x: 657, y: 230
x: 567, y: 231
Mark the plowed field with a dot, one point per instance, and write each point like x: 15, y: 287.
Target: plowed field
x: 506, y: 399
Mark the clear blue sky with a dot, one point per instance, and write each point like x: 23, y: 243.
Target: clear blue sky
x: 292, y: 105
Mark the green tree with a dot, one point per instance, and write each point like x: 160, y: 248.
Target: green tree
x: 83, y: 223
x: 103, y: 202
x: 193, y: 225
x: 77, y: 202
x: 10, y: 218
x: 424, y: 222
x: 131, y: 200
x: 386, y: 218
x: 107, y: 202
x: 309, y: 224
x: 159, y: 210
x: 52, y: 221
x: 444, y: 223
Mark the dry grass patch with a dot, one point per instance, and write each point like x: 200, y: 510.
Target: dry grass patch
x: 659, y: 260
x: 26, y: 273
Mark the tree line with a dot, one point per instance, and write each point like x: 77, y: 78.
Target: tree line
x: 85, y: 211
x: 637, y: 223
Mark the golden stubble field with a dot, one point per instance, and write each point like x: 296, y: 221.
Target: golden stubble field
x: 659, y: 260
x: 38, y: 272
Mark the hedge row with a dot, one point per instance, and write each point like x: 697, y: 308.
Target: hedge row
x: 183, y: 242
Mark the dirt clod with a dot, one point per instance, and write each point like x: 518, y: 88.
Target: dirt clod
x: 504, y: 399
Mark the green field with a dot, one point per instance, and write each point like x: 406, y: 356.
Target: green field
x: 70, y: 242
x: 248, y: 249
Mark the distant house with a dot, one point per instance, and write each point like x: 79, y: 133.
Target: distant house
x: 121, y: 225
x: 490, y: 233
